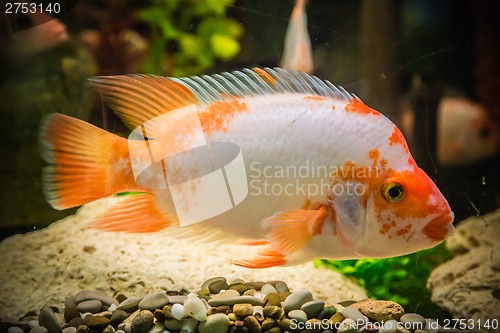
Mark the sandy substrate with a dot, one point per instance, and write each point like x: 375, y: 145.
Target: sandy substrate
x: 45, y: 266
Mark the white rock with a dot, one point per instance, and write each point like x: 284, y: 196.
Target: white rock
x: 178, y: 311
x: 195, y: 308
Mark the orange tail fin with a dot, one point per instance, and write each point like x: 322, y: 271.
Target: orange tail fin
x: 86, y: 163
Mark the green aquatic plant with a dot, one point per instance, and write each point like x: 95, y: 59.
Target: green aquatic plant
x: 400, y: 279
x: 189, y: 36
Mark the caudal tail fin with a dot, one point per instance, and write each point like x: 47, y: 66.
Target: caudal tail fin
x: 86, y: 163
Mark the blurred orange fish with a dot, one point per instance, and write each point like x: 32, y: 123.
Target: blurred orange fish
x: 297, y: 51
x: 270, y: 158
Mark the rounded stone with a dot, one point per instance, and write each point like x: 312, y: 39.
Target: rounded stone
x: 205, y: 284
x: 70, y: 310
x: 354, y: 314
x: 91, y: 306
x: 241, y: 288
x: 108, y: 329
x: 177, y: 299
x: 189, y: 325
x: 298, y: 315
x: 235, y: 300
x: 327, y: 312
x: 48, y: 319
x: 143, y: 321
x: 268, y: 323
x: 272, y: 298
x: 69, y: 330
x: 178, y: 311
x: 86, y: 295
x: 75, y: 322
x: 117, y: 317
x: 173, y: 324
x: 226, y: 294
x: 154, y: 301
x: 130, y: 304
x: 413, y: 321
x: 348, y: 326
x: 252, y: 324
x: 379, y: 310
x: 312, y: 308
x: 38, y: 329
x: 275, y: 329
x: 218, y: 285
x: 285, y: 324
x: 272, y: 311
x: 194, y: 307
x: 296, y: 299
x: 243, y: 310
x: 390, y: 326
x: 15, y: 329
x: 268, y: 288
x: 96, y: 322
x: 281, y: 287
x: 157, y: 327
x: 216, y: 323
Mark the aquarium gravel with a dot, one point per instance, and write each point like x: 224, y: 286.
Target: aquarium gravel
x: 220, y: 306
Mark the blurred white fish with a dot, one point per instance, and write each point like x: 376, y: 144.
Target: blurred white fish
x: 297, y: 51
x: 465, y: 134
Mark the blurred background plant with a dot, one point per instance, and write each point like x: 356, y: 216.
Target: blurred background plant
x: 400, y: 279
x: 195, y: 34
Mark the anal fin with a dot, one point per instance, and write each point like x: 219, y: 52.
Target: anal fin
x: 136, y: 213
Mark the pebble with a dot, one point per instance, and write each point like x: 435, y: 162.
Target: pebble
x: 217, y: 323
x: 39, y: 329
x: 129, y: 305
x: 389, y: 326
x: 69, y: 330
x: 243, y: 310
x: 235, y: 300
x: 252, y: 324
x: 312, y: 308
x: 173, y: 324
x: 327, y: 312
x: 352, y: 313
x: 268, y: 323
x: 96, y: 322
x: 189, y: 325
x: 296, y: 300
x: 86, y: 295
x: 117, y: 317
x: 157, y: 328
x: 348, y: 326
x: 91, y: 306
x: 273, y: 298
x: 379, y: 310
x: 142, y: 322
x: 205, y: 284
x: 154, y: 301
x: 48, y: 319
x: 217, y: 286
x: 298, y: 315
x: 413, y: 321
x: 178, y: 311
x: 15, y: 329
x: 70, y: 310
x: 272, y: 311
x: 195, y: 308
x: 241, y: 288
x: 268, y: 288
x: 281, y: 287
x: 226, y: 294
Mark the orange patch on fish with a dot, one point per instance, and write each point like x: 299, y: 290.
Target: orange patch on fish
x: 314, y: 98
x: 356, y: 105
x: 265, y: 76
x: 218, y: 115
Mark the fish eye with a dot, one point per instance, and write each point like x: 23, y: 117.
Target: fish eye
x: 393, y: 191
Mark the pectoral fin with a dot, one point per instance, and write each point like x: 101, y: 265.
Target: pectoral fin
x: 289, y: 231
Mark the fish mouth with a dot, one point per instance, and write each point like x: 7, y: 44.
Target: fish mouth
x: 440, y: 227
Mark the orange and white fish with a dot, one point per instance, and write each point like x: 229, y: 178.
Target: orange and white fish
x: 297, y: 51
x: 465, y: 134
x: 311, y: 171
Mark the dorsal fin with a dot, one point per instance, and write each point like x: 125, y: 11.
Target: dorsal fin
x: 259, y: 81
x: 139, y: 98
